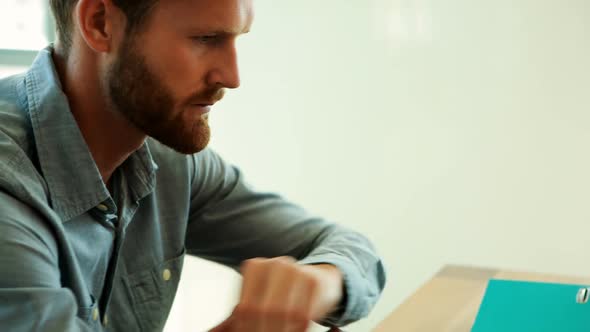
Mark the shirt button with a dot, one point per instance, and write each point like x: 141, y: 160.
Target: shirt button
x: 95, y: 314
x: 166, y: 275
x: 102, y: 207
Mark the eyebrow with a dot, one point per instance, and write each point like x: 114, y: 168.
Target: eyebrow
x: 221, y: 32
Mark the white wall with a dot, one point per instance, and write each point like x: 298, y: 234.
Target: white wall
x: 447, y: 131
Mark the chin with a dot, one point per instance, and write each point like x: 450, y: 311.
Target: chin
x: 185, y: 139
x: 187, y: 147
x: 190, y: 144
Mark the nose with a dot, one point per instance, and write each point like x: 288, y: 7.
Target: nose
x: 226, y: 72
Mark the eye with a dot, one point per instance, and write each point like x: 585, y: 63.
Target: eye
x: 206, y: 39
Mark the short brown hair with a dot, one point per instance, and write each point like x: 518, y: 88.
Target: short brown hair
x: 136, y: 12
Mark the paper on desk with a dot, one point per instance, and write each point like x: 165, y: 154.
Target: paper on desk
x: 518, y: 306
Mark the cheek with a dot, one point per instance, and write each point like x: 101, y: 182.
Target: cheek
x: 183, y: 70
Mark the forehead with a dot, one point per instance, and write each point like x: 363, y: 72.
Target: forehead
x: 233, y: 16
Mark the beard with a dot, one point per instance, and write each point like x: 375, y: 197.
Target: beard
x: 141, y: 97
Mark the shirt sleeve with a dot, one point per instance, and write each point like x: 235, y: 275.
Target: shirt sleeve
x: 31, y: 296
x: 230, y: 222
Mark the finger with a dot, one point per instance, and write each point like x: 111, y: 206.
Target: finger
x: 292, y: 293
x: 302, y: 300
x: 253, y: 281
x: 225, y: 326
x: 276, y: 302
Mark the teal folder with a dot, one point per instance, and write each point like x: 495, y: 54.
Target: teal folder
x: 517, y: 306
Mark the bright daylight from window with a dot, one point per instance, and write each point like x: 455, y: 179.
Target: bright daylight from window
x: 23, y: 24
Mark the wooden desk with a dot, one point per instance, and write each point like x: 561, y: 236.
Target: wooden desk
x: 450, y: 301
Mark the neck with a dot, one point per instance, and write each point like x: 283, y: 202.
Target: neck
x: 110, y: 137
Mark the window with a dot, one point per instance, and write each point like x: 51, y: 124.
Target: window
x: 26, y: 27
x: 11, y: 70
x: 23, y: 24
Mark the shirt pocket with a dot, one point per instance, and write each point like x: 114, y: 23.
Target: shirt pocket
x: 152, y: 292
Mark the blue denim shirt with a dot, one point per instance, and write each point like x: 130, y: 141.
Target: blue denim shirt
x: 76, y: 258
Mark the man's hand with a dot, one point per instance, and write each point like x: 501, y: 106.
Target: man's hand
x: 278, y: 295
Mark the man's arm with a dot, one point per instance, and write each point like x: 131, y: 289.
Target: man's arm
x: 230, y: 223
x: 31, y: 296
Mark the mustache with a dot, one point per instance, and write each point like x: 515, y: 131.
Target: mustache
x: 210, y: 96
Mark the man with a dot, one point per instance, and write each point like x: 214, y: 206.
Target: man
x: 106, y: 183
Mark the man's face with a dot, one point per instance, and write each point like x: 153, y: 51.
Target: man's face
x: 166, y: 77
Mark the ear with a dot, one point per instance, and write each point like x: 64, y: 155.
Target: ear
x: 97, y: 21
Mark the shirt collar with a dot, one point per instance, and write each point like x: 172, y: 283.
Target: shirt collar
x: 73, y: 179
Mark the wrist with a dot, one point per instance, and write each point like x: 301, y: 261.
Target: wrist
x: 332, y: 288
